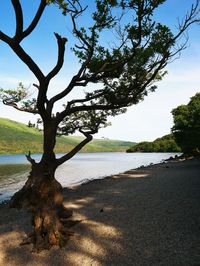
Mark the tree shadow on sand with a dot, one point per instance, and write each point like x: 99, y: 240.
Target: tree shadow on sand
x: 143, y: 217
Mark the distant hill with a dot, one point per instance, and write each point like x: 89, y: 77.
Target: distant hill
x: 165, y: 144
x: 18, y: 138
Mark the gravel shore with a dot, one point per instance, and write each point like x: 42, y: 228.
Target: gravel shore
x: 148, y: 216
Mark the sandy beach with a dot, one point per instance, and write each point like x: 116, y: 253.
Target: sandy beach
x: 147, y: 216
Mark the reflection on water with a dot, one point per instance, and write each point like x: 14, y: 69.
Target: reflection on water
x: 12, y: 177
x: 81, y: 168
x: 12, y: 169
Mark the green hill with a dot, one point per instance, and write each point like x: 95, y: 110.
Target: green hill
x: 16, y: 138
x: 165, y: 144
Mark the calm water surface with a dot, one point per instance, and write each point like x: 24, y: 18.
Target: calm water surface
x: 81, y: 168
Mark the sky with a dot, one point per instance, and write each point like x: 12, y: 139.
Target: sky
x: 147, y: 120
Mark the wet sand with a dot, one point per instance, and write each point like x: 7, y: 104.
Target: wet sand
x: 147, y: 216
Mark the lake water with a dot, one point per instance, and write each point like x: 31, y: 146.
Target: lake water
x: 80, y: 169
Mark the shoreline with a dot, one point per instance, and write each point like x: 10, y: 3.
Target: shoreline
x: 88, y: 181
x: 144, y: 216
x: 140, y: 169
x: 79, y: 170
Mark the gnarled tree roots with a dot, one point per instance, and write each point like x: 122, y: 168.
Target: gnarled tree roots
x: 50, y: 219
x: 49, y: 229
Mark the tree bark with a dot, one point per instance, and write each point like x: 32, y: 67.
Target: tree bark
x: 42, y: 196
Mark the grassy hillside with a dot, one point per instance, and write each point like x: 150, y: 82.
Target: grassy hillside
x: 17, y: 138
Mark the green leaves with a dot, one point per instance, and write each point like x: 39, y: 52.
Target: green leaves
x: 19, y: 98
x: 62, y: 4
x: 186, y: 127
x: 135, y: 57
x: 88, y: 121
x: 164, y: 144
x: 14, y: 96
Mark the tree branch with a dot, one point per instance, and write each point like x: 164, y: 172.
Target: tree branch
x: 73, y: 10
x: 31, y: 160
x: 5, y: 38
x: 89, y: 49
x: 68, y: 111
x: 75, y: 81
x: 69, y: 155
x: 35, y: 21
x: 14, y: 105
x: 26, y: 59
x: 78, y: 33
x: 19, y: 17
x: 190, y: 18
x: 61, y: 51
x: 86, y: 99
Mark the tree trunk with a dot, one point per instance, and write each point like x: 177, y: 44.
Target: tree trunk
x: 42, y: 196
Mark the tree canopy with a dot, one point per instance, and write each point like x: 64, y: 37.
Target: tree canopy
x: 186, y: 129
x: 127, y: 66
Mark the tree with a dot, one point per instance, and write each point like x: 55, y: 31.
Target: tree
x: 186, y: 127
x: 165, y: 144
x: 126, y: 68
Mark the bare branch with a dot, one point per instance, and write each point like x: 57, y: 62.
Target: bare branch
x: 5, y: 38
x: 78, y: 33
x: 35, y: 21
x: 61, y: 51
x: 19, y: 17
x: 26, y: 59
x: 69, y: 155
x: 189, y: 19
x: 19, y: 35
x: 36, y: 86
x: 31, y: 160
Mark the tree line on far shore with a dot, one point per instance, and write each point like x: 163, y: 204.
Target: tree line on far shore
x: 185, y: 135
x: 165, y: 144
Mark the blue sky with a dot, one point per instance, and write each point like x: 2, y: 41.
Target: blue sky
x: 147, y: 120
